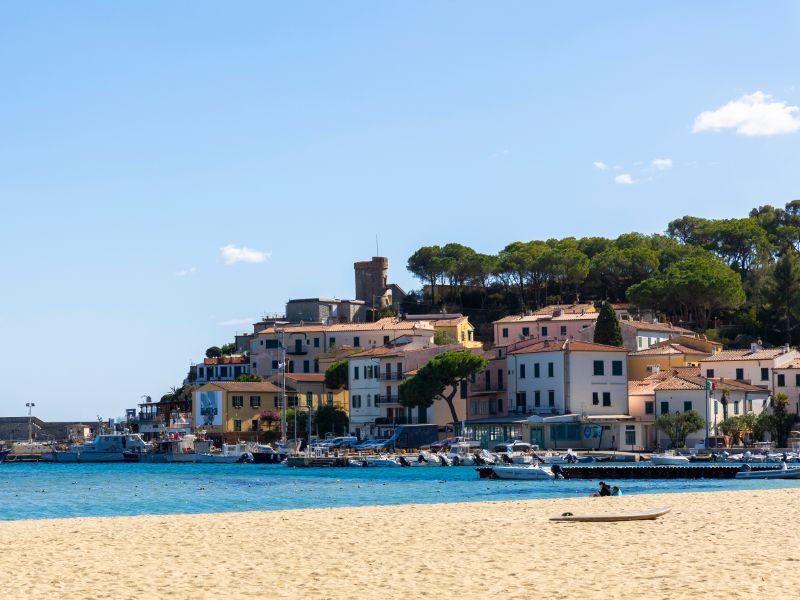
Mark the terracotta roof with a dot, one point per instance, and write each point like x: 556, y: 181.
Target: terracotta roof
x: 565, y: 308
x: 449, y: 322
x: 245, y: 386
x: 665, y: 350
x: 577, y: 317
x: 746, y: 354
x: 795, y: 364
x: 306, y: 377
x: 641, y: 387
x: 386, y: 324
x: 660, y: 327
x: 739, y: 385
x: 379, y: 351
x: 572, y: 345
x: 227, y: 360
x: 681, y: 383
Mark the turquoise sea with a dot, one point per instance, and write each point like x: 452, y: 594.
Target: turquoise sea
x: 44, y: 490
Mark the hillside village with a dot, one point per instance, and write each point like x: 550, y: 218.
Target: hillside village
x: 545, y: 380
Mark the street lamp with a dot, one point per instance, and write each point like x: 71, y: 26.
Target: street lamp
x: 30, y: 406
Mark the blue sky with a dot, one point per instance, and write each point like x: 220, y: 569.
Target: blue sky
x: 139, y: 139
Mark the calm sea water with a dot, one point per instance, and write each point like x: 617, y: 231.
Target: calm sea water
x: 37, y: 491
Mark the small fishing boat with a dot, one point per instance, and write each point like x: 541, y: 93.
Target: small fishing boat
x: 643, y: 515
x: 669, y: 459
x: 231, y: 453
x: 527, y: 472
x: 793, y: 473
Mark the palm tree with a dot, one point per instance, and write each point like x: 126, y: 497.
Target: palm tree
x: 724, y: 401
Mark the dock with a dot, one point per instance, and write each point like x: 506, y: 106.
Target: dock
x: 709, y: 471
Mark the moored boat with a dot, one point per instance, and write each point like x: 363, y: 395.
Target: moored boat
x: 784, y: 473
x: 669, y: 459
x: 106, y: 447
x: 527, y: 472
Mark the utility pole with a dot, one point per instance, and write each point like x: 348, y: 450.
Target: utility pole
x: 283, y: 386
x: 30, y: 406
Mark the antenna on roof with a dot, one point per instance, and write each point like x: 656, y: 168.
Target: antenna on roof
x: 377, y: 247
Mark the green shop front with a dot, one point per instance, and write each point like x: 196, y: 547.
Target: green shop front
x: 593, y: 432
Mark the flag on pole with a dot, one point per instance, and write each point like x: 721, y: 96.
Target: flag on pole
x: 710, y: 385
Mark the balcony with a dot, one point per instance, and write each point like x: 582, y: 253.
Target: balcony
x: 393, y: 376
x: 393, y: 399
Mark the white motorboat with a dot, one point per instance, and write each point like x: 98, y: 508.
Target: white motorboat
x: 231, y: 453
x: 106, y: 447
x: 528, y: 472
x: 462, y: 454
x: 426, y: 459
x: 669, y: 459
x: 375, y: 461
x: 174, y: 448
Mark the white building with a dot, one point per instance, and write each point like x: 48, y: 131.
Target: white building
x: 756, y: 365
x: 683, y: 389
x: 787, y: 381
x: 374, y: 379
x: 584, y: 385
x: 641, y: 335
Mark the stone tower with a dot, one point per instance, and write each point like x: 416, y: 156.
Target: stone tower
x: 371, y: 281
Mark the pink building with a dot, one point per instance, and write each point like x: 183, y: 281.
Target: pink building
x: 560, y: 324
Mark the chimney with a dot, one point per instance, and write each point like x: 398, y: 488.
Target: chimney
x: 754, y: 347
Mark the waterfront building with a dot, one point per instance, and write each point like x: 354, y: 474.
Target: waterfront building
x: 787, y: 381
x: 755, y: 365
x: 487, y: 393
x: 309, y: 390
x: 374, y: 379
x: 564, y: 394
x: 230, y: 411
x: 683, y: 389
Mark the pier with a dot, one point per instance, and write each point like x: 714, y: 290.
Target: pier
x: 709, y: 471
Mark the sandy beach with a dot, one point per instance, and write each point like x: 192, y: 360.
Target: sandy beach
x: 712, y: 545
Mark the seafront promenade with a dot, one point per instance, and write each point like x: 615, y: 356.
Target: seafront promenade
x: 719, y: 544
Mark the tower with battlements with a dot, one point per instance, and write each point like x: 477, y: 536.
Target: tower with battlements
x: 371, y: 281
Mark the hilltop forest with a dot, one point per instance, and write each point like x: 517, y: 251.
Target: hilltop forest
x: 738, y: 280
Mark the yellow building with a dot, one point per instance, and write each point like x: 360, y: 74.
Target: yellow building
x: 308, y: 389
x: 458, y: 329
x: 662, y: 357
x: 230, y: 411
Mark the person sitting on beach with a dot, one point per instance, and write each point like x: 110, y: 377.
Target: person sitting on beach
x: 615, y: 491
x: 603, y: 491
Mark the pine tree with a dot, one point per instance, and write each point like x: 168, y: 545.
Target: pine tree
x: 607, y: 330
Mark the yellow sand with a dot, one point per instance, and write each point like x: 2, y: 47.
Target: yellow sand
x: 712, y: 545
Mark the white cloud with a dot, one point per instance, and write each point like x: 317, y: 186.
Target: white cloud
x: 186, y: 272
x: 753, y: 114
x: 623, y: 179
x: 234, y: 322
x: 598, y: 164
x: 232, y: 254
x: 662, y: 164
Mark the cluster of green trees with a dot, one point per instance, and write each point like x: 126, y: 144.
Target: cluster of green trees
x: 224, y: 350
x: 744, y: 272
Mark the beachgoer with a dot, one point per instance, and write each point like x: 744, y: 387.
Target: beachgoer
x: 605, y: 490
x: 615, y: 491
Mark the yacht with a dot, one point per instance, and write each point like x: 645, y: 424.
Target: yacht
x: 669, y: 459
x: 106, y: 447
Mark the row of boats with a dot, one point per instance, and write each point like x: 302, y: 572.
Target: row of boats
x: 173, y: 448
